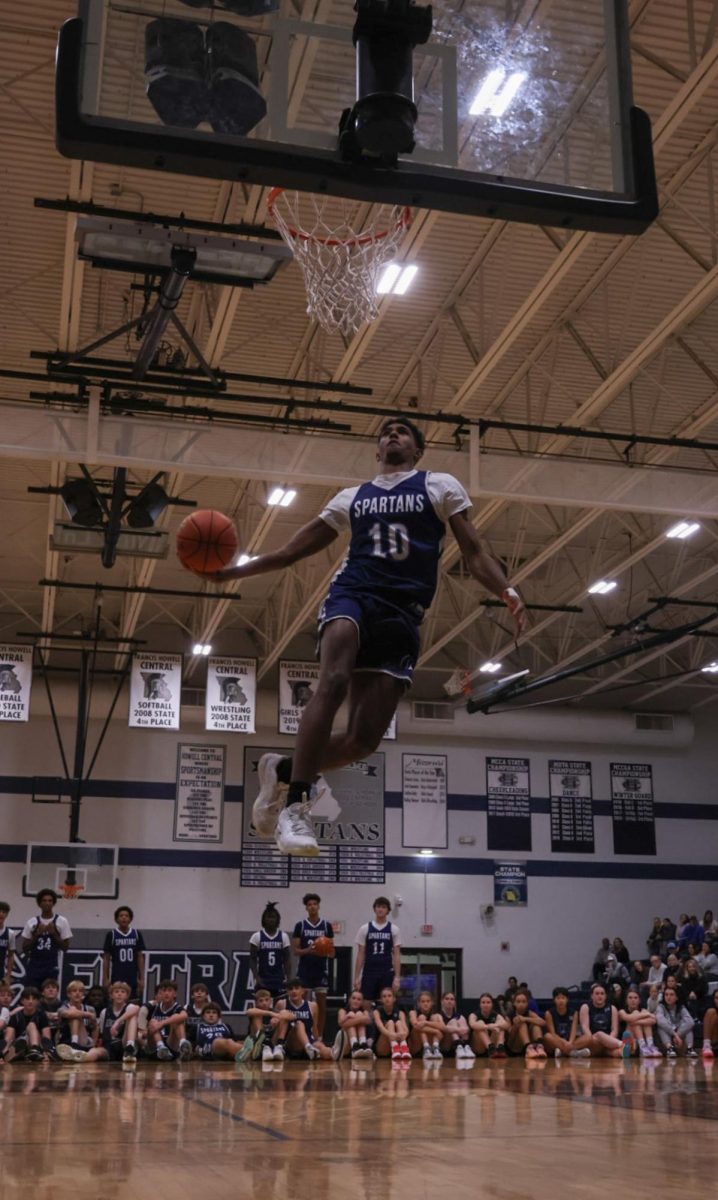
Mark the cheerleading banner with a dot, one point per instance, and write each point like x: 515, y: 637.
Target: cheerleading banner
x: 297, y: 684
x: 15, y: 682
x: 508, y: 804
x: 155, y: 691
x: 231, y: 696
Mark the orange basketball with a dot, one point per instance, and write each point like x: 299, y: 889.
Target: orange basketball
x: 324, y: 947
x: 206, y: 541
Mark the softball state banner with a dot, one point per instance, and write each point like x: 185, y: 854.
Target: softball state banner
x: 155, y: 691
x: 15, y: 682
x: 231, y: 703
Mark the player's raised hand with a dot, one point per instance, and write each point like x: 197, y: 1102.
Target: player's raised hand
x: 516, y: 607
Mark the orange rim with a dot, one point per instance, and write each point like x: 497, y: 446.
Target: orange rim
x: 404, y: 222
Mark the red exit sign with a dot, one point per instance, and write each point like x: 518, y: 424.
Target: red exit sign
x: 427, y: 930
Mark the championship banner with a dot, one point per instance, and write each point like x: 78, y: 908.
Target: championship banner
x: 348, y: 822
x: 424, y: 820
x: 155, y: 691
x: 231, y: 696
x: 634, y: 822
x: 508, y: 792
x: 15, y: 682
x: 510, y: 884
x: 199, y: 799
x: 571, y: 795
x: 297, y: 684
x: 390, y: 735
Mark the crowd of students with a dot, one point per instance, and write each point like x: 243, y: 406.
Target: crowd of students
x: 666, y: 1009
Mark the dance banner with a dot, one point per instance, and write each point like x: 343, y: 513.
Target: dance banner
x: 508, y: 792
x: 155, y: 691
x: 15, y: 682
x: 297, y: 684
x: 199, y: 799
x: 424, y: 820
x: 571, y: 795
x: 348, y: 823
x: 634, y: 822
x: 231, y: 696
x: 510, y: 884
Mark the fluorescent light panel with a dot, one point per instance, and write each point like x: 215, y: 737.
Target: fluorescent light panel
x: 684, y: 529
x: 426, y: 854
x: 602, y: 587
x: 201, y: 648
x: 497, y: 92
x: 396, y: 280
x: 281, y: 496
x: 490, y: 668
x: 710, y: 668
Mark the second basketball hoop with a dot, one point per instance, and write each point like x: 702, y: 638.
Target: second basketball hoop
x: 341, y: 260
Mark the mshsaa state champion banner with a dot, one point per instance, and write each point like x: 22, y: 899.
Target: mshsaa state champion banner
x: 155, y: 691
x: 231, y: 694
x: 297, y: 684
x: 15, y: 682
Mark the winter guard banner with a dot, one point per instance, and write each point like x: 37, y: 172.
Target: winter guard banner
x: 571, y: 806
x: 231, y: 703
x: 155, y: 691
x: 15, y: 682
x: 297, y: 684
x: 199, y: 799
x: 508, y: 794
x: 424, y: 812
x: 634, y: 823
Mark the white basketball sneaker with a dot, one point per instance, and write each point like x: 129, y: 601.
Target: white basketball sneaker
x: 294, y: 834
x: 271, y: 796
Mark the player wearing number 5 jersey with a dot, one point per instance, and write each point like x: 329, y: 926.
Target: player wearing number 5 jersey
x: 369, y: 621
x: 269, y: 954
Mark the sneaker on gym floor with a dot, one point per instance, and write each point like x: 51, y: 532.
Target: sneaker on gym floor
x: 691, y: 1053
x: 338, y: 1046
x: 671, y: 1053
x: 491, y: 1051
x: 70, y: 1053
x: 405, y: 1051
x: 311, y: 1051
x: 500, y: 1051
x: 247, y: 1048
x: 295, y: 834
x: 185, y: 1050
x: 271, y: 796
x: 460, y: 1050
x: 395, y: 1051
x: 34, y: 1054
x: 707, y: 1051
x: 20, y: 1047
x: 583, y: 1053
x: 267, y: 1054
x: 164, y: 1053
x: 468, y: 1052
x: 437, y: 1053
x: 129, y: 1054
x: 278, y: 1054
x: 427, y: 1052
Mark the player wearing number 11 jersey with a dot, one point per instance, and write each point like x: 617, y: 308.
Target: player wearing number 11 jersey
x: 369, y: 621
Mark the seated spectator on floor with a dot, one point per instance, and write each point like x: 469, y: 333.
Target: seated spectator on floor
x: 708, y: 961
x: 710, y: 927
x: 489, y: 1028
x: 639, y: 1024
x: 600, y: 957
x: 655, y: 937
x: 562, y: 1038
x: 674, y: 1025
x: 527, y: 1029
x: 710, y: 1028
x: 598, y: 1020
x: 621, y: 952
x: 456, y: 1039
x: 693, y: 988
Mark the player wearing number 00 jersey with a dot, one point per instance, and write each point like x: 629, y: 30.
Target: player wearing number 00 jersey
x: 369, y: 621
x: 123, y: 954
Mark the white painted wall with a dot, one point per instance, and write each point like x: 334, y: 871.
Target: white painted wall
x: 551, y: 941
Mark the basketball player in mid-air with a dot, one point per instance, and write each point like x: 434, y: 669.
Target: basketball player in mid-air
x: 369, y: 621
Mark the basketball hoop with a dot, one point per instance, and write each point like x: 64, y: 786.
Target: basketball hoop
x: 340, y: 264
x: 458, y: 684
x: 71, y: 891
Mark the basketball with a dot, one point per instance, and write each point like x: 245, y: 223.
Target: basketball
x: 206, y: 541
x: 323, y: 947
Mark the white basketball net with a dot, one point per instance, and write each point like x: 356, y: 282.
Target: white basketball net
x: 341, y: 265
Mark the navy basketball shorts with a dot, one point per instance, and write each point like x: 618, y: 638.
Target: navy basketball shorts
x: 315, y: 981
x: 373, y: 985
x: 388, y: 635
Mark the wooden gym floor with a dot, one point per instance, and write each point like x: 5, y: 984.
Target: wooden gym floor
x: 324, y: 1131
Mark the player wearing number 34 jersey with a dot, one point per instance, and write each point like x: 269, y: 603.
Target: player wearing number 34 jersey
x: 369, y: 621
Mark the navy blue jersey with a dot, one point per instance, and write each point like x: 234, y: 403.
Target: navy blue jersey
x: 270, y: 949
x: 312, y: 969
x: 4, y: 948
x: 108, y: 1016
x: 207, y: 1034
x: 19, y: 1021
x: 599, y: 1019
x: 304, y: 1016
x: 42, y: 960
x: 378, y: 961
x: 562, y: 1024
x: 194, y: 1016
x: 396, y: 543
x: 158, y: 1013
x: 64, y: 1021
x: 123, y: 949
x: 393, y: 1015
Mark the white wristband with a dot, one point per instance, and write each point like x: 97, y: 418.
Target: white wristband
x: 510, y: 593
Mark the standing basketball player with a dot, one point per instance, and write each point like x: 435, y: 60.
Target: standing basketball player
x: 44, y: 939
x: 123, y: 954
x: 313, y: 969
x: 369, y: 621
x: 378, y: 958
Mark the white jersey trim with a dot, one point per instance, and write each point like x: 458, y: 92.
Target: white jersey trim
x: 447, y: 496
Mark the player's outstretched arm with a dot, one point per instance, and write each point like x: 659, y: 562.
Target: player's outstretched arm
x: 485, y: 569
x: 308, y: 540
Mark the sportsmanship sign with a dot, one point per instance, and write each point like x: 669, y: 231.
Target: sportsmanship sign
x: 508, y: 793
x: 15, y: 682
x: 297, y: 684
x: 155, y: 691
x: 231, y: 703
x: 634, y: 823
x: 199, y: 800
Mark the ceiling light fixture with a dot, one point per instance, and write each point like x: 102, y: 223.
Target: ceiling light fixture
x: 602, y: 587
x: 490, y: 668
x: 494, y: 96
x: 201, y: 648
x: 281, y: 496
x: 710, y: 668
x: 684, y: 529
x: 396, y: 280
x: 426, y: 854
